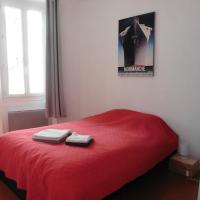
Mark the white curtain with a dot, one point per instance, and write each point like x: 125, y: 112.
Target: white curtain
x: 1, y: 111
x: 1, y: 122
x: 3, y: 107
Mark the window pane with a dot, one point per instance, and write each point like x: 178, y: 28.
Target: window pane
x: 14, y: 50
x: 35, y: 51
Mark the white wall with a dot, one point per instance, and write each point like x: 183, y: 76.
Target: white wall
x: 69, y: 25
x: 173, y: 93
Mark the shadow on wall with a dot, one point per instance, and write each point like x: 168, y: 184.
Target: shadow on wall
x: 26, y: 119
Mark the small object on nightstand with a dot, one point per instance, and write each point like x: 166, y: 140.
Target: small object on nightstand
x: 186, y: 166
x: 183, y: 149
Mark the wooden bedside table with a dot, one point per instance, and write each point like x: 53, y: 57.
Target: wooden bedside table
x: 184, y: 165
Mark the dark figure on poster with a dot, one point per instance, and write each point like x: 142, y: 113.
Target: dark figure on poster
x: 135, y: 40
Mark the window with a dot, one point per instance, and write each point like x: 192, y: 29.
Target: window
x: 14, y: 48
x: 35, y: 52
x: 24, y: 35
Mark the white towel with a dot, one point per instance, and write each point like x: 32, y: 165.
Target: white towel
x: 52, y: 135
x: 79, y: 138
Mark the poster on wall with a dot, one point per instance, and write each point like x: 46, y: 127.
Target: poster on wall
x: 136, y: 45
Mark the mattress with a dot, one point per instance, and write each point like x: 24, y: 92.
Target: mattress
x: 126, y: 145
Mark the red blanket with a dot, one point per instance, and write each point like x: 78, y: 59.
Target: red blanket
x: 126, y: 145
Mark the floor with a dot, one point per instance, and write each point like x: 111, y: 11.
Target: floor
x: 159, y: 184
x: 5, y: 193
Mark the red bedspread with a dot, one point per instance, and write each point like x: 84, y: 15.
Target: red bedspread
x: 126, y: 145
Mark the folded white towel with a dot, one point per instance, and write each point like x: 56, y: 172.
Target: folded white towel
x: 78, y: 139
x: 52, y: 135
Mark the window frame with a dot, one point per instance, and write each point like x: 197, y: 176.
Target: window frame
x: 24, y: 6
x: 27, y: 97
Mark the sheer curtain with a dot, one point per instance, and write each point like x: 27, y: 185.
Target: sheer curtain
x: 3, y: 113
x: 54, y: 87
x: 3, y: 107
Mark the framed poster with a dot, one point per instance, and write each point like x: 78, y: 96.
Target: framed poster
x: 136, y: 45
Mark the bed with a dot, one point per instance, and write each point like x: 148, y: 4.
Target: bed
x: 126, y: 145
